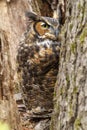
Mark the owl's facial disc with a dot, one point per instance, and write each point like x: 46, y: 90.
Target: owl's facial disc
x: 45, y: 30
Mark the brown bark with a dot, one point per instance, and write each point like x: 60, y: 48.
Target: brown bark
x: 8, y: 109
x: 12, y: 25
x: 70, y: 107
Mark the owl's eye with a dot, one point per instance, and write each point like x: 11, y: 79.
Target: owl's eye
x: 41, y: 27
x: 44, y: 25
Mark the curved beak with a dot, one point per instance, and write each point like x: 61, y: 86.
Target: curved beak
x: 56, y: 32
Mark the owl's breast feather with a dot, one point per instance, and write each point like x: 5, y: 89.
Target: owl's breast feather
x: 39, y: 58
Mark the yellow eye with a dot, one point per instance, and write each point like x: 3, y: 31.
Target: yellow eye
x: 41, y: 28
x: 44, y: 25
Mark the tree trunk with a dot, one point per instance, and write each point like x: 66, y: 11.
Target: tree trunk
x: 8, y: 110
x: 12, y: 25
x: 11, y: 15
x: 70, y: 101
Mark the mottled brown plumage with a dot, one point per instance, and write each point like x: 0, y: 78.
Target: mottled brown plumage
x: 38, y: 57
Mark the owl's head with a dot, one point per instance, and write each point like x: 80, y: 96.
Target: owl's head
x: 44, y: 27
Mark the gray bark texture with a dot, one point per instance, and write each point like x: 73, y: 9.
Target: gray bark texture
x: 70, y: 96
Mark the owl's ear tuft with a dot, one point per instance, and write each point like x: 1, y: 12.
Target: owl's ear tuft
x: 32, y: 16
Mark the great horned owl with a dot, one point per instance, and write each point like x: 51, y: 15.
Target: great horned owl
x: 38, y: 57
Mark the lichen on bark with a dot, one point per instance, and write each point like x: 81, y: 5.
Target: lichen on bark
x: 70, y: 106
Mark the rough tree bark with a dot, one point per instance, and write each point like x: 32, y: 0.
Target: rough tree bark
x: 70, y: 107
